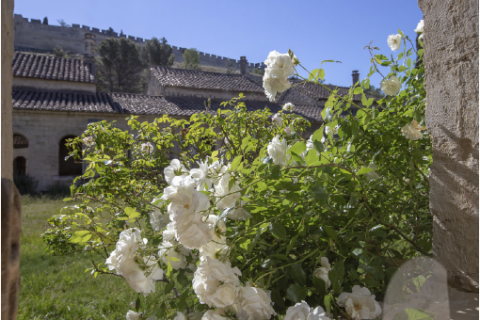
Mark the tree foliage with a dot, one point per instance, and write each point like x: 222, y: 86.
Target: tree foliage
x: 159, y: 52
x: 119, y: 66
x: 191, y: 59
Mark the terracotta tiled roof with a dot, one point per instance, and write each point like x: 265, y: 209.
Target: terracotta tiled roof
x: 136, y: 104
x: 171, y: 77
x: 317, y: 92
x: 46, y: 67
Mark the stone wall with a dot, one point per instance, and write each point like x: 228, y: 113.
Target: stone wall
x: 45, y: 129
x: 54, y: 85
x: 451, y: 71
x: 7, y: 56
x: 37, y: 37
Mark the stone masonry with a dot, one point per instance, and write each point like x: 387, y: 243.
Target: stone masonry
x: 451, y: 70
x: 37, y: 37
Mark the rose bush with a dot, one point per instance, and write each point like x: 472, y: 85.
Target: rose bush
x: 268, y: 222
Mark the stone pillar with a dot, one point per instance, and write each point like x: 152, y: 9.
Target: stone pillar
x: 243, y: 65
x: 11, y: 228
x: 7, y: 56
x: 89, y: 45
x: 355, y: 77
x: 451, y: 81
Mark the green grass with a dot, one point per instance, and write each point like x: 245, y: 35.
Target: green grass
x: 57, y: 287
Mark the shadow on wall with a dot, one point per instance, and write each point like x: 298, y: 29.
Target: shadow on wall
x: 419, y: 290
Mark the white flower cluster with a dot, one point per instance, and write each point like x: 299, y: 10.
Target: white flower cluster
x: 302, y: 311
x: 412, y: 130
x: 360, y: 304
x: 277, y: 150
x: 419, y: 30
x: 147, y: 147
x: 124, y: 260
x: 89, y: 141
x: 275, y: 79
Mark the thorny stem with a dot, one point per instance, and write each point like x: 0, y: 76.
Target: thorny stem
x: 393, y: 228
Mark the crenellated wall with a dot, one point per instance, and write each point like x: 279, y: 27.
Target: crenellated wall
x: 37, y: 37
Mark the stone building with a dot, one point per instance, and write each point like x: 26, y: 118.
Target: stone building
x: 54, y: 99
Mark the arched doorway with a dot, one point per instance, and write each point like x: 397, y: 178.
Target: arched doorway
x: 20, y: 166
x: 69, y: 167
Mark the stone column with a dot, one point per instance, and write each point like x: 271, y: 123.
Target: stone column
x: 451, y: 80
x: 6, y: 56
x: 11, y: 228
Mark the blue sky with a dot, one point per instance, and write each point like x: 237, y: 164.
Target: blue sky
x: 314, y: 30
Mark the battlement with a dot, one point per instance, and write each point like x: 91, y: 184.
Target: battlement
x: 34, y: 34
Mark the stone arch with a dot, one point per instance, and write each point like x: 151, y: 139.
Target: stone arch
x: 68, y: 167
x: 20, y: 154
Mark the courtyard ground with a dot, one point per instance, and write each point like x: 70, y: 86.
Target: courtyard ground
x: 58, y: 287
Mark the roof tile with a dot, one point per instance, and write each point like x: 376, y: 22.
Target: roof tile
x: 39, y: 66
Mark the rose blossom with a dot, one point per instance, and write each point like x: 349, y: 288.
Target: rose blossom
x: 275, y: 79
x: 89, y: 141
x: 360, y: 304
x: 180, y: 316
x: 391, y: 86
x: 394, y: 41
x: 147, y: 147
x: 412, y: 130
x: 132, y: 315
x: 200, y: 175
x: 277, y: 150
x: 256, y: 303
x: 174, y: 169
x: 288, y: 131
x: 302, y: 311
x: 288, y: 107
x: 212, y: 315
x: 322, y: 272
x: 419, y: 28
x: 277, y: 119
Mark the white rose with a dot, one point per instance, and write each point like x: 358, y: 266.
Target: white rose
x: 302, y: 311
x: 277, y: 151
x: 391, y: 86
x: 322, y: 272
x: 299, y: 311
x: 89, y: 141
x: 228, y: 197
x: 419, y: 28
x: 360, y: 304
x: 218, y: 242
x: 200, y: 175
x: 212, y: 315
x: 170, y: 248
x: 174, y: 169
x: 181, y: 190
x: 132, y: 315
x: 147, y: 147
x: 394, y: 41
x: 277, y: 119
x: 224, y: 295
x: 158, y: 220
x: 273, y: 86
x: 128, y: 243
x: 275, y: 79
x: 412, y: 130
x: 256, y: 303
x: 288, y: 106
x: 180, y: 316
x: 193, y: 233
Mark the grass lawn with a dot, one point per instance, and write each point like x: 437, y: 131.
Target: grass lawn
x: 58, y: 287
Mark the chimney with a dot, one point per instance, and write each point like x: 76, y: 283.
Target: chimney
x: 243, y: 65
x: 89, y: 46
x: 355, y: 76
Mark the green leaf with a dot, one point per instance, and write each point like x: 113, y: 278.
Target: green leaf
x: 358, y: 90
x: 364, y: 99
x: 160, y: 312
x: 236, y: 162
x: 330, y: 232
x: 336, y: 276
x: 137, y: 303
x: 311, y: 157
x: 328, y: 303
x: 278, y: 231
x: 318, y: 193
x: 401, y: 33
x: 413, y: 314
x: 277, y: 299
x: 363, y: 170
x: 312, y: 75
x: 297, y: 148
x: 296, y: 293
x: 320, y: 286
x: 321, y: 74
x: 297, y: 274
x: 132, y: 214
x: 169, y: 272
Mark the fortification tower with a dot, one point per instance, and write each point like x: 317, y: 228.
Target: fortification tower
x: 89, y: 45
x: 243, y: 65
